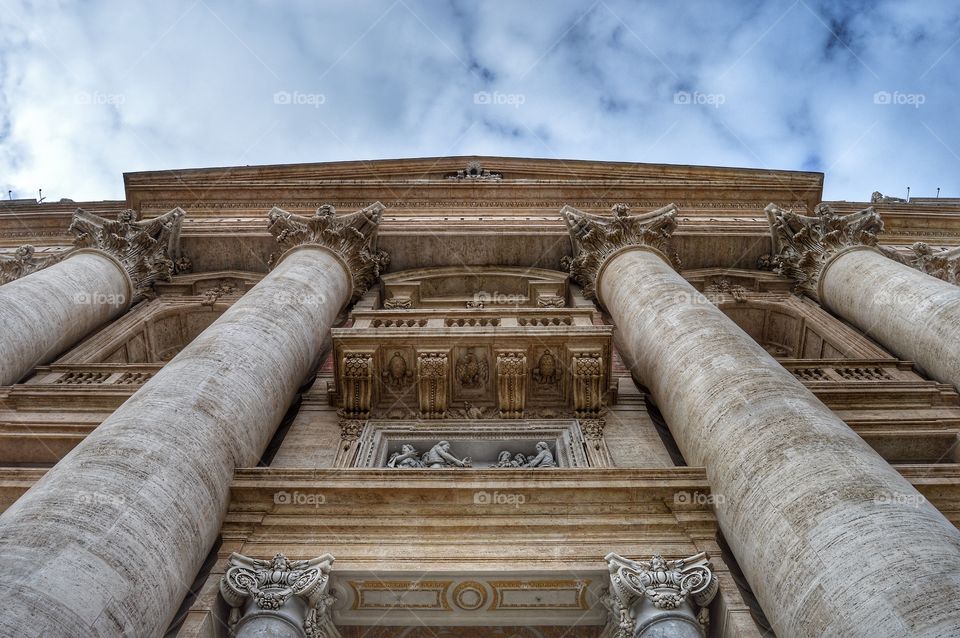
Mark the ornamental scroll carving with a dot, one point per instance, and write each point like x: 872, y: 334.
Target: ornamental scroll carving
x: 943, y: 263
x: 357, y: 374
x: 145, y: 249
x: 641, y: 592
x: 595, y: 238
x: 353, y: 237
x: 24, y: 262
x: 587, y: 369
x: 511, y: 384
x: 272, y: 583
x: 802, y: 245
x: 433, y: 370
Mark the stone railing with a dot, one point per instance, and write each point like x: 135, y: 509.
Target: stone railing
x: 95, y: 374
x: 847, y: 371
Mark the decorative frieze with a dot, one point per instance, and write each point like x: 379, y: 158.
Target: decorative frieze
x: 356, y: 379
x: 433, y: 370
x: 596, y: 238
x: 265, y: 595
x: 353, y: 237
x: 24, y: 262
x: 650, y: 597
x: 145, y: 249
x: 803, y: 245
x: 511, y: 384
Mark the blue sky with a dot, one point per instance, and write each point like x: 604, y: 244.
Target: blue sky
x: 866, y: 92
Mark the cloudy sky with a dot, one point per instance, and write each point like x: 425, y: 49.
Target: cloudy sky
x: 866, y: 92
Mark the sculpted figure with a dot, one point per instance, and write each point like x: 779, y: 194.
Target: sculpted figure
x: 407, y: 457
x: 519, y: 460
x: 544, y: 457
x: 503, y: 460
x: 439, y: 456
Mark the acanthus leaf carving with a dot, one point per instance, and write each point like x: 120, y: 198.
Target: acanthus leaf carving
x: 511, y: 384
x: 270, y: 584
x: 803, y: 245
x: 596, y: 238
x: 25, y: 262
x: 640, y: 591
x: 943, y: 263
x: 352, y: 236
x: 145, y: 249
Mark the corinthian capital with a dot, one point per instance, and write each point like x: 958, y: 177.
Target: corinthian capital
x: 260, y: 592
x: 596, y: 238
x: 803, y: 245
x: 23, y: 262
x: 143, y: 248
x: 943, y: 263
x: 353, y: 237
x: 646, y: 593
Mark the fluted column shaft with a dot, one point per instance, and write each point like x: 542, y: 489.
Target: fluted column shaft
x: 832, y: 539
x: 109, y: 540
x: 46, y: 312
x: 912, y: 314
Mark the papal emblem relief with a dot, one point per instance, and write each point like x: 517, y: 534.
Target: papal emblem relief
x: 397, y: 374
x: 547, y: 371
x: 472, y: 371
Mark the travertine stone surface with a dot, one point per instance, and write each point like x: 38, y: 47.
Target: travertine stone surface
x: 832, y: 539
x: 107, y: 543
x: 915, y: 315
x: 47, y: 311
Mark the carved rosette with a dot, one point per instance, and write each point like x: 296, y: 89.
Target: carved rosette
x: 270, y: 584
x: 803, y: 245
x: 353, y: 237
x: 511, y: 384
x: 145, y: 249
x: 592, y: 428
x: 587, y: 369
x: 24, y: 262
x: 433, y: 371
x: 643, y: 593
x: 356, y: 384
x: 596, y: 238
x: 350, y: 429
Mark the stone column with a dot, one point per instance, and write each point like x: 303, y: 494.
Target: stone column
x: 659, y: 598
x: 836, y: 261
x: 831, y: 538
x: 109, y: 540
x: 50, y: 304
x: 278, y: 598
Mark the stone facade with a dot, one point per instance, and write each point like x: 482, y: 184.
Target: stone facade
x: 479, y: 397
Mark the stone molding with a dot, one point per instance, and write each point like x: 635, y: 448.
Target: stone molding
x: 257, y: 588
x: 144, y: 250
x: 804, y: 246
x: 597, y: 238
x: 643, y: 593
x: 352, y: 237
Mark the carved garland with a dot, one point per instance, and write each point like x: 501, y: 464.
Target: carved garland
x: 595, y: 238
x: 353, y: 237
x: 803, y: 245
